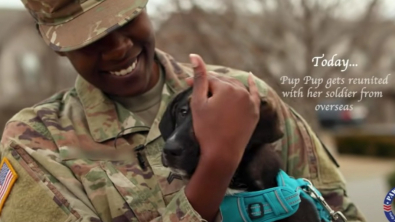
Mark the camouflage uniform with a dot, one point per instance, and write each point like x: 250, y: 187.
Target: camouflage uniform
x: 70, y: 169
x: 75, y: 153
x: 67, y: 25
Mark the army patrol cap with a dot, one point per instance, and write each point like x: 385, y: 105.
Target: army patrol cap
x: 67, y: 25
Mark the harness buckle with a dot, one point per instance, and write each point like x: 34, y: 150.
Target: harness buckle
x: 256, y: 210
x: 334, y: 215
x: 338, y: 215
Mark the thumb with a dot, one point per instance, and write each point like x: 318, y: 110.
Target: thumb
x: 189, y: 81
x: 200, y: 80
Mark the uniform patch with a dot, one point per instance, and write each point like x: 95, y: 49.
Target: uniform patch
x: 173, y: 176
x: 7, y: 180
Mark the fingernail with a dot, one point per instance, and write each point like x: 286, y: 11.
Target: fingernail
x: 194, y: 60
x: 250, y: 77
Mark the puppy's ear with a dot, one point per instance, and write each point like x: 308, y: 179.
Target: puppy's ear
x: 167, y: 124
x: 168, y: 121
x: 269, y: 120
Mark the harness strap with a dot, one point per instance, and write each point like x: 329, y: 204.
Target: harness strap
x: 275, y: 203
x: 271, y: 205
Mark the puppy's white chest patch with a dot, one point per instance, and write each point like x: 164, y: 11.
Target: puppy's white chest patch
x: 232, y: 191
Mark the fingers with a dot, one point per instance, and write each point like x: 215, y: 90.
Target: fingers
x: 213, y: 76
x: 200, y: 80
x: 204, y: 81
x: 216, y: 85
x: 254, y: 92
x: 232, y: 81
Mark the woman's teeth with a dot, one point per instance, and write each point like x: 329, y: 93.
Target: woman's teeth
x: 125, y: 71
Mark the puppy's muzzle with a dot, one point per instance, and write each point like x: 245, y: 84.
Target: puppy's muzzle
x: 172, y: 148
x: 171, y: 151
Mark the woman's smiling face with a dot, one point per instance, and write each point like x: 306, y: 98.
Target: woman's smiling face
x: 122, y: 62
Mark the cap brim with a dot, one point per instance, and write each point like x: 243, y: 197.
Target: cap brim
x: 91, y: 25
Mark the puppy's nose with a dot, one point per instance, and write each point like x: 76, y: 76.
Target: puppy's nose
x: 172, y: 148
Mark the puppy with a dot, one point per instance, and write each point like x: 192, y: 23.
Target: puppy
x: 259, y: 166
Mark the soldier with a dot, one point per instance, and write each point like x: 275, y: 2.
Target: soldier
x: 92, y: 152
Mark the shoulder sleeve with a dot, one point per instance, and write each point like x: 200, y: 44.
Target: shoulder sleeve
x: 37, y: 195
x: 305, y: 156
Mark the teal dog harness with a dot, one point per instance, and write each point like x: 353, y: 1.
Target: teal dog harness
x: 275, y: 203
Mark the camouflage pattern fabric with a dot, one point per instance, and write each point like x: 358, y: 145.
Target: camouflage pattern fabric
x: 71, y: 169
x: 96, y: 18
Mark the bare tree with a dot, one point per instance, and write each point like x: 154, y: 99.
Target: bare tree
x: 281, y: 38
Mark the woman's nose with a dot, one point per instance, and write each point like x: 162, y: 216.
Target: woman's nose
x: 116, y: 46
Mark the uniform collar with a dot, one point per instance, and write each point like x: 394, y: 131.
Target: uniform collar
x: 106, y: 119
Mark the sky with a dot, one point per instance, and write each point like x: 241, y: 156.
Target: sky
x: 17, y: 4
x: 10, y: 4
x: 351, y: 7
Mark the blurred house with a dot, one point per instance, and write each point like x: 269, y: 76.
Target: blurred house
x: 269, y: 44
x: 29, y: 70
x: 276, y: 43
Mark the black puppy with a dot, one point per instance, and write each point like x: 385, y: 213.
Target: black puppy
x: 259, y: 166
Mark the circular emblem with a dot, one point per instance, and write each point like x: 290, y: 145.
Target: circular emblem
x: 387, y: 205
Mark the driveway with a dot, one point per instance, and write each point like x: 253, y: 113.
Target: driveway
x: 366, y: 183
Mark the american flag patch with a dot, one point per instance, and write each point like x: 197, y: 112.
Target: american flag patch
x: 7, y: 180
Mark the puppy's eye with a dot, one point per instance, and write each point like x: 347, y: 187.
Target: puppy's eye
x: 184, y: 111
